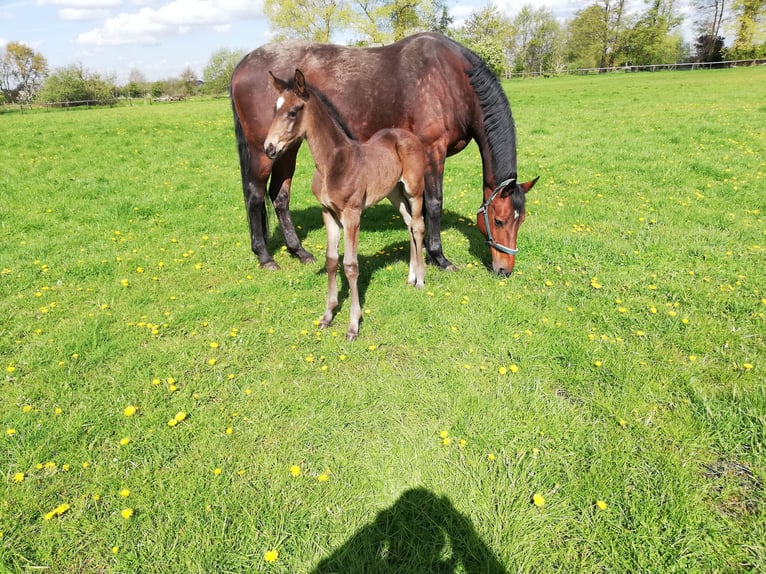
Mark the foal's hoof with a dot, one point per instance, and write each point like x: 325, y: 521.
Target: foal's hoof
x: 351, y: 336
x: 270, y: 265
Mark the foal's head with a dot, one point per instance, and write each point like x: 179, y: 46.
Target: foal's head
x: 499, y: 219
x: 287, y: 126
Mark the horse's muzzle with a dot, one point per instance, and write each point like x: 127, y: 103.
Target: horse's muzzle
x: 271, y: 151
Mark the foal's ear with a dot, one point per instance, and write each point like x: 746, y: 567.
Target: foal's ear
x: 526, y: 186
x: 276, y: 83
x: 300, y: 88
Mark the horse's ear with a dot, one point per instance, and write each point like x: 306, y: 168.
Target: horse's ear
x: 300, y: 85
x: 526, y: 186
x: 276, y: 83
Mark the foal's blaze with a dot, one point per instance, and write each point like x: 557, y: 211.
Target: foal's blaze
x: 499, y: 219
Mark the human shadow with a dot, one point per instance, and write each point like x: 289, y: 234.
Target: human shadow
x: 420, y: 534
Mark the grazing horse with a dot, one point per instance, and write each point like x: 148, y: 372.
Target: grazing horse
x: 427, y: 84
x: 350, y: 176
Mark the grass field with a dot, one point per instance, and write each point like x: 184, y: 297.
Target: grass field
x: 166, y: 406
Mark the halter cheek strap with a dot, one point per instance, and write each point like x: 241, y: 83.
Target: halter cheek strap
x: 485, y: 210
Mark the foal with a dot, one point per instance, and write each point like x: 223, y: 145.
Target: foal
x: 350, y: 176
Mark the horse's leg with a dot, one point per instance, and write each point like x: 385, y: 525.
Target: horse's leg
x: 350, y: 219
x: 279, y: 191
x: 254, y: 177
x: 404, y: 205
x: 433, y: 206
x: 331, y: 264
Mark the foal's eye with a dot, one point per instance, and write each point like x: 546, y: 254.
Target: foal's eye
x: 499, y: 222
x: 293, y: 113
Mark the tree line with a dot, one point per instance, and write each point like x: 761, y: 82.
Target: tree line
x: 603, y: 34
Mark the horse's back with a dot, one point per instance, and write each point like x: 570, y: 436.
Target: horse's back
x: 370, y: 88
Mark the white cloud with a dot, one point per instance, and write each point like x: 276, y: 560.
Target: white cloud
x: 82, y: 14
x: 149, y: 25
x: 82, y: 4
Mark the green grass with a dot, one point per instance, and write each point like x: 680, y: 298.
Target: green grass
x: 622, y: 362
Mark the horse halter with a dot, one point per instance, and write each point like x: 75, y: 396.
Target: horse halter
x: 485, y: 210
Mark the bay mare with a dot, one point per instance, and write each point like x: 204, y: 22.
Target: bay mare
x: 427, y: 84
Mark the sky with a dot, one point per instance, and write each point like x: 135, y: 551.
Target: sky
x: 162, y: 38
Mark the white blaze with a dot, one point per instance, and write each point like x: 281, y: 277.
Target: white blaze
x: 280, y: 102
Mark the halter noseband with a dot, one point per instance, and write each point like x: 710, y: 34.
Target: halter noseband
x: 484, y: 209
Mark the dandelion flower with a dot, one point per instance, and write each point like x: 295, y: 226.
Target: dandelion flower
x: 491, y: 457
x: 539, y: 500
x: 125, y: 441
x: 180, y: 415
x: 130, y: 410
x: 747, y: 366
x: 444, y: 434
x: 115, y: 549
x: 217, y: 471
x: 324, y: 477
x: 10, y: 432
x: 124, y: 493
x: 212, y: 362
x: 597, y: 363
x: 295, y: 470
x: 514, y: 368
x: 229, y: 430
x: 601, y: 505
x: 172, y: 422
x: 271, y: 556
x: 623, y: 423
x: 446, y: 441
x: 18, y: 477
x: 126, y: 513
x: 502, y: 370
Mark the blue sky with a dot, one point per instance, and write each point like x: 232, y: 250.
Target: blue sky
x: 161, y: 38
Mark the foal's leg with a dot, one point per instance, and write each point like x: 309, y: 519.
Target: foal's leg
x: 399, y: 201
x: 331, y: 264
x: 350, y: 220
x: 410, y: 205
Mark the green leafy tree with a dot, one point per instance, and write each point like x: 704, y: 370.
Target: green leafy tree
x: 487, y: 32
x: 710, y: 17
x: 76, y: 84
x: 22, y: 72
x: 538, y: 41
x: 651, y: 40
x: 217, y: 72
x: 311, y: 20
x: 137, y: 85
x: 751, y: 29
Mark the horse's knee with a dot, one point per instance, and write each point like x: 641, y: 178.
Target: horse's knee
x: 351, y: 270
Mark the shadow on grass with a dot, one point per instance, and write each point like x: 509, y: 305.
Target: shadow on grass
x: 420, y: 534
x: 379, y: 219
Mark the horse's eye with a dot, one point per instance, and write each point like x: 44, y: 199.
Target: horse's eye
x: 292, y: 114
x: 499, y: 223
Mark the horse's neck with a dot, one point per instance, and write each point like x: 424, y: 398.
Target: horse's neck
x: 324, y: 136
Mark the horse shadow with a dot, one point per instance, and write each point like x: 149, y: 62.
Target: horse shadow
x: 420, y: 534
x: 378, y: 218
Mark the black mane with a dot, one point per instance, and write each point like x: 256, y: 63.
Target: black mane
x: 498, y: 120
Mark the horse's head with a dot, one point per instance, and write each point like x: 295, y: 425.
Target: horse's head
x: 287, y: 126
x: 499, y: 219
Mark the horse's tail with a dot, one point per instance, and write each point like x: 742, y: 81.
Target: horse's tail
x: 244, y: 167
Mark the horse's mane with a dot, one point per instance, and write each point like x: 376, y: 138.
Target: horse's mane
x: 498, y: 120
x: 334, y: 113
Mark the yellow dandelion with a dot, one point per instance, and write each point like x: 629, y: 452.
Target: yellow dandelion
x: 18, y: 477
x: 623, y: 423
x: 601, y: 505
x: 538, y: 500
x: 372, y: 347
x: 324, y: 477
x: 444, y: 434
x: 126, y: 513
x: 125, y: 441
x: 595, y: 283
x: 213, y: 345
x: 124, y: 493
x: 747, y: 366
x: 295, y: 470
x: 462, y: 443
x: 172, y: 422
x: 502, y: 370
x: 229, y: 430
x: 446, y: 441
x: 491, y: 457
x: 271, y: 556
x: 10, y: 432
x: 514, y: 368
x: 212, y: 362
x: 115, y: 549
x: 217, y: 471
x: 597, y: 363
x: 180, y: 415
x: 26, y: 409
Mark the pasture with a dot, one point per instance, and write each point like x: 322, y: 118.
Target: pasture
x: 168, y: 406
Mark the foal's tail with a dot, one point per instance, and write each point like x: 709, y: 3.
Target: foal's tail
x: 244, y: 168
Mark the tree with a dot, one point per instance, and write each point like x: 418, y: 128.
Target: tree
x: 217, y: 73
x: 137, y: 85
x: 597, y: 34
x: 487, y: 32
x: 709, y: 44
x: 189, y: 81
x: 751, y: 27
x: 651, y: 39
x: 76, y: 84
x: 537, y: 41
x: 311, y: 20
x: 22, y: 72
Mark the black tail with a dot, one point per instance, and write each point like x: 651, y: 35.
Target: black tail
x: 244, y: 168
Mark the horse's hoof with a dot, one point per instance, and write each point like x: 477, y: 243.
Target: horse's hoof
x: 270, y: 265
x: 350, y: 337
x: 450, y: 267
x: 306, y: 258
